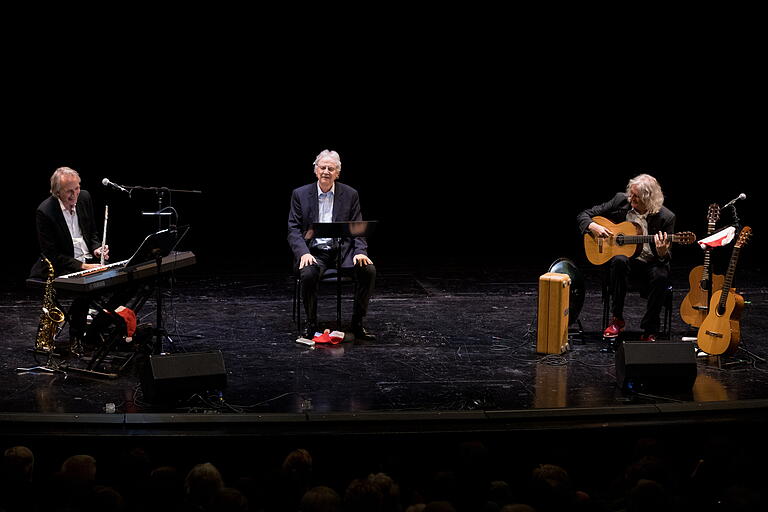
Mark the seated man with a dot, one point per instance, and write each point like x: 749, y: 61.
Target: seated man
x: 328, y: 201
x: 642, y: 203
x: 68, y: 237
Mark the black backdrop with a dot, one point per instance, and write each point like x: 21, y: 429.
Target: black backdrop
x: 467, y: 156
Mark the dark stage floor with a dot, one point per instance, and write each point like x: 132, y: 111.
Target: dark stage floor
x: 452, y: 346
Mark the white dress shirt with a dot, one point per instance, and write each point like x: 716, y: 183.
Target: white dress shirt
x: 81, y: 249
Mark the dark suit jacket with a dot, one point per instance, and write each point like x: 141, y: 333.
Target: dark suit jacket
x: 616, y: 211
x: 305, y: 210
x: 55, y: 240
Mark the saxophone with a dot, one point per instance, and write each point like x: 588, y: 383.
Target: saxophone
x: 51, y: 318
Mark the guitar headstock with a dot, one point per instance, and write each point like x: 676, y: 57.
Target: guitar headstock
x: 744, y: 236
x: 713, y: 215
x: 685, y: 237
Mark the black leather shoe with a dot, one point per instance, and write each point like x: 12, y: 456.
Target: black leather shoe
x: 361, y: 334
x: 310, y: 328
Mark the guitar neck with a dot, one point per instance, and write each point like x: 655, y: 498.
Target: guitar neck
x: 710, y: 230
x: 646, y: 239
x: 705, y: 270
x: 729, y: 278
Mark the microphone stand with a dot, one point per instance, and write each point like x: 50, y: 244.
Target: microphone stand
x: 735, y: 214
x: 160, y: 332
x: 159, y: 191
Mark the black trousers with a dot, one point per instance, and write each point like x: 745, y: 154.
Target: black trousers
x: 310, y: 284
x: 650, y: 279
x: 78, y: 311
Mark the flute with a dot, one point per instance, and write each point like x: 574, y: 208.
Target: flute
x: 104, y: 238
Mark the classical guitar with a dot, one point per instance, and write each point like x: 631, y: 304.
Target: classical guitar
x: 695, y: 305
x: 627, y: 240
x: 715, y: 334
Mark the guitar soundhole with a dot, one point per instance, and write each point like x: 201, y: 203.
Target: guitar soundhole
x: 619, y: 239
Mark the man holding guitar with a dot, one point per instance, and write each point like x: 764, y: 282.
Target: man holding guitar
x: 641, y: 205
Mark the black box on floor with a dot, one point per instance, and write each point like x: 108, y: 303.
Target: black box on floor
x: 655, y: 366
x: 172, y: 377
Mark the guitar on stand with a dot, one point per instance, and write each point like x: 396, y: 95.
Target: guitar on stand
x: 716, y: 334
x: 627, y: 240
x: 695, y: 305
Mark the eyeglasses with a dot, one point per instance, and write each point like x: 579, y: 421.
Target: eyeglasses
x: 327, y: 168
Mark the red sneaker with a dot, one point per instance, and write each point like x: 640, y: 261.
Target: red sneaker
x: 614, y: 328
x: 648, y: 337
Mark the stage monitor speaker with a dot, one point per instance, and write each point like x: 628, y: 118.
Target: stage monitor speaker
x: 655, y: 366
x: 173, y: 377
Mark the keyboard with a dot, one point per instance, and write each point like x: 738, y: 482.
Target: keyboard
x: 90, y: 271
x: 115, y: 275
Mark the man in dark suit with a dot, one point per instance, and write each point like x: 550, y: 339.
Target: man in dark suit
x: 326, y: 200
x: 68, y: 237
x: 66, y: 227
x: 642, y: 203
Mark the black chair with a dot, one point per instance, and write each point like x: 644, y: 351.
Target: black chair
x: 666, y: 322
x: 330, y: 276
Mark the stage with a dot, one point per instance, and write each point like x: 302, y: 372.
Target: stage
x: 455, y: 352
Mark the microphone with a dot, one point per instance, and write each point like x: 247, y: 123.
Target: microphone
x: 741, y: 196
x: 108, y: 183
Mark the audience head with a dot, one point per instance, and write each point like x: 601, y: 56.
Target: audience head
x: 320, y: 499
x: 202, y: 483
x: 362, y: 496
x: 80, y: 468
x: 18, y: 463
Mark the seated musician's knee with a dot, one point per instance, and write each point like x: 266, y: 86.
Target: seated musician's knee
x: 620, y: 260
x: 366, y: 272
x: 309, y: 275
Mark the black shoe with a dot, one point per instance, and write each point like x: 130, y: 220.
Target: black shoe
x: 310, y: 328
x: 361, y: 334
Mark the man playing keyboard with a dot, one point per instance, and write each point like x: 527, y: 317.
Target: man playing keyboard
x: 68, y: 236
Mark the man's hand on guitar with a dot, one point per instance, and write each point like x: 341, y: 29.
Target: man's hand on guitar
x: 662, y: 244
x: 599, y: 231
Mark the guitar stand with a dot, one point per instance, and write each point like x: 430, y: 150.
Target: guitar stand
x: 752, y: 354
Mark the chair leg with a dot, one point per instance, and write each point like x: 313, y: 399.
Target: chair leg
x: 338, y: 301
x: 668, y: 313
x: 606, y: 305
x: 297, y: 304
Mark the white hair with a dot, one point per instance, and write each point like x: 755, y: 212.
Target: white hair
x: 331, y: 155
x: 56, y: 177
x: 649, y: 192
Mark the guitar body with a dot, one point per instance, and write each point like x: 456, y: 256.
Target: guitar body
x: 715, y: 332
x: 601, y: 250
x: 695, y: 305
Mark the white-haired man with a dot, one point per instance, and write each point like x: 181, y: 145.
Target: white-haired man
x: 643, y: 204
x: 326, y: 200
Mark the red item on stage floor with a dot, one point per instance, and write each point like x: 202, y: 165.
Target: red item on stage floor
x: 327, y: 336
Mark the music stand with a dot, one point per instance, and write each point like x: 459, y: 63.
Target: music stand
x: 337, y: 231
